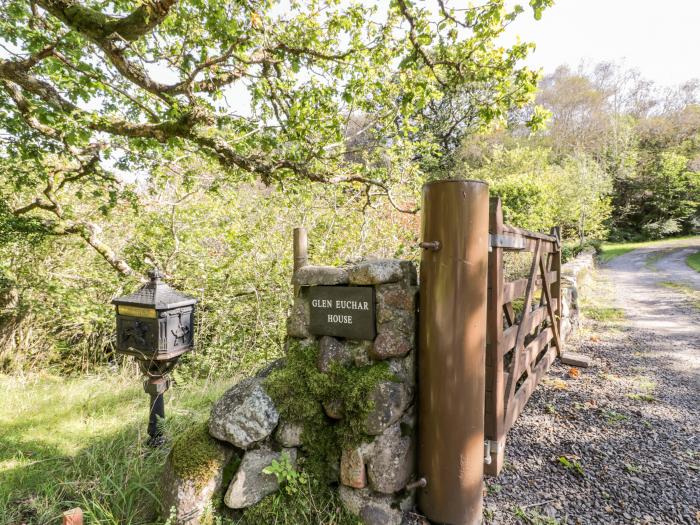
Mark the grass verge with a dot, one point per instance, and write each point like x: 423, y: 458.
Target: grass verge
x: 603, y: 313
x: 67, y: 442
x: 693, y: 261
x: 609, y: 251
x: 690, y: 292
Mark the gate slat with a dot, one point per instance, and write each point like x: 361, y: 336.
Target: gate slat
x: 517, y: 404
x: 517, y: 365
x: 515, y: 289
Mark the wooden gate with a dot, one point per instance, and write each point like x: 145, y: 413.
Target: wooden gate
x: 523, y: 326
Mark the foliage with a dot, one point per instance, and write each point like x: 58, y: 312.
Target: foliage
x: 314, y: 503
x: 229, y: 246
x: 300, y: 390
x: 196, y: 455
x: 571, y: 465
x: 94, y: 98
x: 646, y: 140
x: 537, y: 193
x: 67, y: 442
x: 287, y: 476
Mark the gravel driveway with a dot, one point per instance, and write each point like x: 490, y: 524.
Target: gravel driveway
x: 629, y: 426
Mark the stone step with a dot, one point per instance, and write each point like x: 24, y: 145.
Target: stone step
x: 573, y: 359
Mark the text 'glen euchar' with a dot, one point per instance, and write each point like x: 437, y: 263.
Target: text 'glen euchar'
x: 340, y: 304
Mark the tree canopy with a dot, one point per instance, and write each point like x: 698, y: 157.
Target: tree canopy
x: 320, y: 90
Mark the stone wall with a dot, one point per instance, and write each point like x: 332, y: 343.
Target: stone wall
x: 373, y: 476
x: 571, y: 274
x: 246, y: 424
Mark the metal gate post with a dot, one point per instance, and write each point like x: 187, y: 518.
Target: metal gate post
x: 452, y: 341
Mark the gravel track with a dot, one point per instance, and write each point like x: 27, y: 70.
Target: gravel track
x: 631, y: 422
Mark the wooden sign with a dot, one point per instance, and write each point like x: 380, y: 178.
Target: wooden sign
x: 343, y: 311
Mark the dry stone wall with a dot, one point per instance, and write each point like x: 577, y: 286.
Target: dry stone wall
x: 371, y: 476
x: 571, y: 275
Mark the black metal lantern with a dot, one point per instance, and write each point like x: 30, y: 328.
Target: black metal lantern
x: 155, y: 324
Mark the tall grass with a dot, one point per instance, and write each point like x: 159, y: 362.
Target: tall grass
x: 80, y: 442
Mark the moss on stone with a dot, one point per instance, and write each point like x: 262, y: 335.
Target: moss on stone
x: 299, y: 391
x: 196, y: 456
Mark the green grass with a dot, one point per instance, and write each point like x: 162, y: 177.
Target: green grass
x: 603, y: 313
x: 693, y: 261
x: 609, y: 251
x: 691, y: 293
x: 80, y: 442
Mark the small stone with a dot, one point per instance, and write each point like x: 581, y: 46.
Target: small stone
x: 331, y: 350
x: 390, y: 401
x: 361, y: 351
x: 404, y: 368
x: 566, y: 328
x: 244, y: 415
x: 390, y: 343
x: 334, y: 409
x: 352, y: 466
x: 299, y: 318
x: 288, y: 434
x: 394, y: 301
x: 373, y: 509
x: 409, y: 272
x: 404, y: 322
x: 191, y: 497
x: 565, y: 307
x: 392, y: 460
x: 250, y: 484
x: 320, y: 276
x: 378, y: 271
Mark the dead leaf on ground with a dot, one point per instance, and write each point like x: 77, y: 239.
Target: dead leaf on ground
x: 559, y: 384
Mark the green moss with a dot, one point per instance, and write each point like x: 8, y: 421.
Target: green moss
x: 196, y: 456
x: 299, y: 391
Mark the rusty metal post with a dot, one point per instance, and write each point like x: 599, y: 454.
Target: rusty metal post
x: 301, y: 252
x: 452, y: 342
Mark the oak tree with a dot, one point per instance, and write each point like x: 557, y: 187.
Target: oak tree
x: 272, y: 91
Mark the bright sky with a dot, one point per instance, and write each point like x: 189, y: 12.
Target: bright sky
x: 661, y: 38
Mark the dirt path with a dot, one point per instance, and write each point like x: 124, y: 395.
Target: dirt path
x: 629, y: 426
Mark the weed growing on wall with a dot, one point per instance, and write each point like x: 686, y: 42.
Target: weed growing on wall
x: 314, y: 502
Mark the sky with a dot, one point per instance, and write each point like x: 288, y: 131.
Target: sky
x: 661, y: 38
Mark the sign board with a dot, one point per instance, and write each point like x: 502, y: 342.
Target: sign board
x: 343, y: 311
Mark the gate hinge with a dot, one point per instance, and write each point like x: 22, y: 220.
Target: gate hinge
x: 490, y: 447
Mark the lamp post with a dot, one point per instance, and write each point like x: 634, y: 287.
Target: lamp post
x: 155, y: 324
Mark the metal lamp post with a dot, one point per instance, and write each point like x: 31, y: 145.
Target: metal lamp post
x: 155, y: 324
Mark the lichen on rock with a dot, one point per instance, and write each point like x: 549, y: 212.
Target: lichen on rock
x: 244, y: 415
